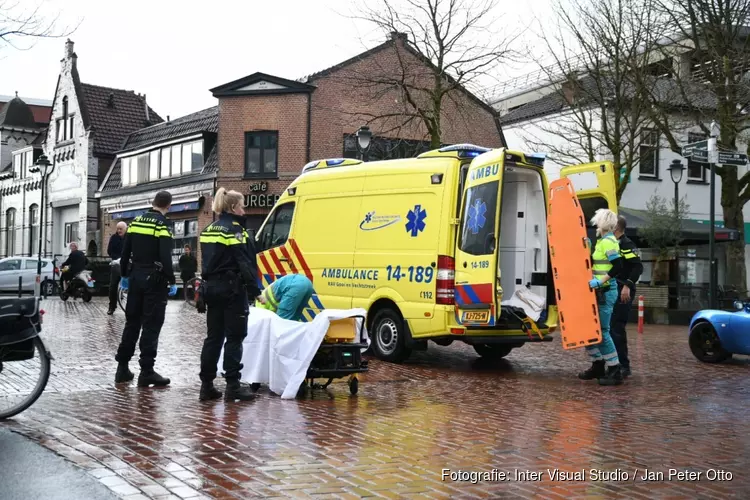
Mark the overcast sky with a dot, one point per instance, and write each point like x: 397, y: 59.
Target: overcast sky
x: 174, y: 51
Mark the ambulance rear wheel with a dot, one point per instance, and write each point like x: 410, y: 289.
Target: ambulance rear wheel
x: 389, y: 342
x: 493, y: 351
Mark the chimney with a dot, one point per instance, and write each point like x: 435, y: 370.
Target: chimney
x: 145, y: 105
x: 111, y: 100
x: 396, y: 36
x: 69, y: 49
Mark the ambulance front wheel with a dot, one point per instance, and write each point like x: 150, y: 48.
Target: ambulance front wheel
x: 388, y: 337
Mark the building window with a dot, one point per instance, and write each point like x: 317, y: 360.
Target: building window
x: 184, y: 232
x: 385, y: 148
x: 10, y: 229
x: 71, y: 232
x: 197, y: 156
x: 34, y: 226
x: 165, y: 158
x: 696, y: 171
x: 176, y: 159
x: 649, y: 154
x: 162, y: 163
x: 261, y: 152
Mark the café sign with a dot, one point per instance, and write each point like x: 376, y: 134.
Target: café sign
x: 259, y: 197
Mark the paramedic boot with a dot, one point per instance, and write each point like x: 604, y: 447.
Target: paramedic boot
x: 123, y: 373
x: 149, y: 377
x: 613, y: 376
x: 237, y: 391
x: 596, y: 371
x: 209, y: 392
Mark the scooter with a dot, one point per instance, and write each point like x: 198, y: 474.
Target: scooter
x: 79, y: 287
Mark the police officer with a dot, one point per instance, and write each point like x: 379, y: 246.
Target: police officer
x: 632, y: 269
x: 229, y: 275
x: 146, y: 269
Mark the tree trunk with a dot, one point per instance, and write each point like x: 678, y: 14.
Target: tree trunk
x: 733, y: 219
x: 660, y: 272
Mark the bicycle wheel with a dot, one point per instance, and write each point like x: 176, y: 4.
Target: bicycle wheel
x: 24, y: 372
x: 122, y: 297
x: 190, y: 292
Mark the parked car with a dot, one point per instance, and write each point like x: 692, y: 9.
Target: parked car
x: 715, y: 335
x: 11, y: 268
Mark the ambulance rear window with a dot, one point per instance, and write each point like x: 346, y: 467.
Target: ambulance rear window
x: 478, y: 223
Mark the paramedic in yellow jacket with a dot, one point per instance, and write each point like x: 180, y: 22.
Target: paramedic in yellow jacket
x: 288, y: 296
x: 607, y: 263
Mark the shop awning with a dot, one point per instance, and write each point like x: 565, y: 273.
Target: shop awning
x: 132, y: 214
x: 693, y: 232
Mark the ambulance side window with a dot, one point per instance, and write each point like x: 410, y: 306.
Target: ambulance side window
x: 276, y: 231
x: 478, y: 225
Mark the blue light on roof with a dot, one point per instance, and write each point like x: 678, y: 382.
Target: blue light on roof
x: 310, y: 166
x: 539, y: 156
x: 336, y: 161
x: 465, y: 148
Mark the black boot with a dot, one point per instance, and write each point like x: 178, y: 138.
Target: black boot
x: 209, y: 392
x: 111, y: 311
x: 625, y: 372
x: 596, y: 371
x: 123, y: 374
x: 613, y: 376
x: 236, y: 391
x: 149, y: 377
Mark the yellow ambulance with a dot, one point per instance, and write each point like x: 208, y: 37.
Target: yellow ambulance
x: 433, y: 247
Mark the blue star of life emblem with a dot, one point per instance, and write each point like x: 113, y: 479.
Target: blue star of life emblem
x: 415, y: 220
x: 476, y: 216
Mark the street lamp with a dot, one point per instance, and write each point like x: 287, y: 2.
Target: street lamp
x: 44, y: 167
x: 676, y: 169
x: 364, y: 136
x: 713, y: 153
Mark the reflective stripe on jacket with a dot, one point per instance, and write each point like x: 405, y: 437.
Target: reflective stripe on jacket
x: 607, y: 249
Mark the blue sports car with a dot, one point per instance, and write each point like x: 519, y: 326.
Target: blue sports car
x: 716, y: 335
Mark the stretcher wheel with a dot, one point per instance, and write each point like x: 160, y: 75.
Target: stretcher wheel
x: 354, y: 386
x: 255, y: 387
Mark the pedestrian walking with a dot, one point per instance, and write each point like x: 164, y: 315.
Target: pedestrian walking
x: 114, y: 250
x: 188, y: 267
x: 288, y: 296
x: 607, y: 264
x: 146, y: 268
x: 229, y: 275
x: 632, y: 268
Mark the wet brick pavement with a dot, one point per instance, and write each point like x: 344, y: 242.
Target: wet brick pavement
x: 444, y: 409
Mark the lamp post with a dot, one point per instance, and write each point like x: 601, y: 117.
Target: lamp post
x: 44, y: 167
x: 364, y: 136
x: 676, y: 169
x: 713, y: 153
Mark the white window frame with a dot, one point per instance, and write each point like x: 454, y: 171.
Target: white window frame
x: 647, y: 133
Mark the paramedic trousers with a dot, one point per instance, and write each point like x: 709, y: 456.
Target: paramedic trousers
x: 294, y: 299
x: 145, y: 309
x: 226, y: 318
x: 605, y: 350
x: 619, y: 324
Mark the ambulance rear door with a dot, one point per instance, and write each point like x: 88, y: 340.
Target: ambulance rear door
x: 477, y: 288
x: 595, y: 188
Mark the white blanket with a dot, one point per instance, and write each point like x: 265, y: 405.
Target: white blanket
x: 531, y: 303
x: 278, y: 352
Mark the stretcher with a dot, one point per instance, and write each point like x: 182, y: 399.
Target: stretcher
x: 338, y: 356
x: 571, y: 268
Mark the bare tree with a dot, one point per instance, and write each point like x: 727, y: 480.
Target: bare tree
x: 596, y: 47
x: 443, y: 49
x: 710, y: 47
x: 18, y: 22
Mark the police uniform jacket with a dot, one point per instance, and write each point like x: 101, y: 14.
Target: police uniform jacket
x: 148, y: 241
x: 631, y: 259
x: 226, y: 248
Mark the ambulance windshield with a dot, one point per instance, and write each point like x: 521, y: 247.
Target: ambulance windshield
x: 478, y: 224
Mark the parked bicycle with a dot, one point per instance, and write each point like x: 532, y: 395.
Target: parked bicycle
x: 24, y: 359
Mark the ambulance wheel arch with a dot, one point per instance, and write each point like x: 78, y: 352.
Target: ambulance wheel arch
x: 387, y: 328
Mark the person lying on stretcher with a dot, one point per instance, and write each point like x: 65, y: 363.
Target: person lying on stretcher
x: 287, y: 296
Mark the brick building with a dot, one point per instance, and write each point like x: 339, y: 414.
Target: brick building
x: 270, y: 127
x: 178, y: 156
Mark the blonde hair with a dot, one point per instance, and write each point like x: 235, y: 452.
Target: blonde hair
x: 605, y: 221
x: 225, y: 201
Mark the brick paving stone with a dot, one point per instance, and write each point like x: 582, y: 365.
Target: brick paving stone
x: 443, y: 409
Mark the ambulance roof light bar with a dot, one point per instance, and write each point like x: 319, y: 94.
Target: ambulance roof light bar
x: 465, y: 150
x: 332, y: 162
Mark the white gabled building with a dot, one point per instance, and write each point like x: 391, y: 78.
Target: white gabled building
x: 89, y: 124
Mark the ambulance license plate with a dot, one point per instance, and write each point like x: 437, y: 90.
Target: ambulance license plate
x: 476, y: 317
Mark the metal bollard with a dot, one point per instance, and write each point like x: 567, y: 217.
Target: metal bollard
x: 20, y: 286
x: 640, y: 313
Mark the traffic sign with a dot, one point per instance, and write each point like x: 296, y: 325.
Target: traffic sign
x: 732, y: 158
x: 691, y: 149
